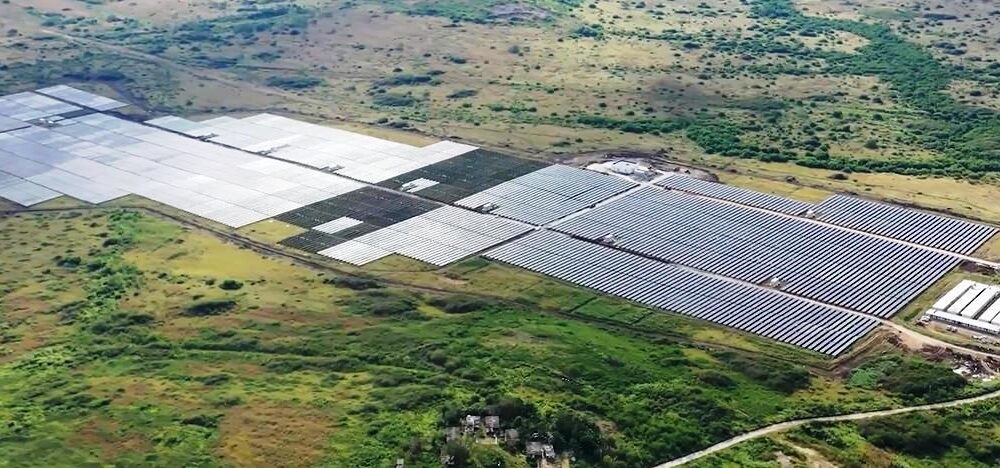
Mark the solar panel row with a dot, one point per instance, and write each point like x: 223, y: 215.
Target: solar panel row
x: 918, y: 227
x: 82, y: 98
x: 465, y: 174
x: 669, y: 287
x: 9, y: 123
x: 734, y: 194
x: 547, y: 194
x: 23, y: 192
x: 438, y: 237
x: 353, y: 155
x: 97, y: 158
x: 809, y: 259
x: 27, y: 107
x: 370, y: 205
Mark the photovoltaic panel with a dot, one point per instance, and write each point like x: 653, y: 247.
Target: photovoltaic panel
x: 439, y: 237
x: 356, y: 253
x: 809, y: 259
x: 369, y: 204
x: 338, y: 225
x: 80, y: 97
x: 918, y: 227
x: 8, y: 123
x: 23, y: 192
x: 360, y: 157
x: 745, y: 307
x: 27, y: 107
x: 742, y: 196
x: 547, y: 194
x: 96, y: 158
x: 465, y: 174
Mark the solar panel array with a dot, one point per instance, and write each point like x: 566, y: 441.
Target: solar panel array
x: 699, y: 248
x: 353, y: 155
x: 7, y: 124
x: 734, y: 194
x: 370, y: 205
x: 23, y: 192
x: 26, y: 107
x: 744, y: 307
x: 547, y: 194
x: 465, y: 174
x: 97, y: 158
x: 809, y: 259
x: 439, y: 237
x: 918, y: 227
x: 82, y: 98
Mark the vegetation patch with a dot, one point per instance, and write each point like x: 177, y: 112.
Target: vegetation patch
x: 210, y: 307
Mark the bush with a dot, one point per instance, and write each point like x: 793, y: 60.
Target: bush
x: 294, y: 82
x: 382, y: 302
x: 394, y: 100
x: 778, y: 376
x: 463, y: 93
x: 571, y: 431
x: 716, y: 379
x: 119, y: 322
x: 459, y: 304
x: 231, y: 285
x: 210, y: 307
x: 403, y: 80
x: 353, y: 282
x: 917, y: 434
x: 921, y: 379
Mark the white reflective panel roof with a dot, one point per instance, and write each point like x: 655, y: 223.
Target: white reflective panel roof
x: 30, y: 106
x: 96, y: 158
x: 353, y: 155
x: 83, y: 98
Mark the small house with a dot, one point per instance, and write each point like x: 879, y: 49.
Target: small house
x: 492, y: 425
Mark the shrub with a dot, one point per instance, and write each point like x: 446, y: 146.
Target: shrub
x: 68, y: 262
x: 294, y: 82
x: 716, y: 379
x: 231, y: 285
x: 382, y: 302
x: 571, y: 431
x: 119, y: 322
x: 404, y: 79
x: 776, y: 375
x: 922, y: 379
x: 458, y: 304
x: 210, y: 307
x: 463, y: 93
x: 394, y: 100
x: 353, y: 282
x: 916, y: 434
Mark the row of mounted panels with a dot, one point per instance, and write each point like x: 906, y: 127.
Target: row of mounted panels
x: 824, y: 263
x: 895, y: 222
x: 673, y: 288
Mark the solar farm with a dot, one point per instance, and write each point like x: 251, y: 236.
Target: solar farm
x: 817, y: 276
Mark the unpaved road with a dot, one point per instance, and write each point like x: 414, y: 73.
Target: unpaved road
x: 782, y: 427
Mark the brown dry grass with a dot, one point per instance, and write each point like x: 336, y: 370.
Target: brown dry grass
x: 108, y: 438
x: 272, y: 434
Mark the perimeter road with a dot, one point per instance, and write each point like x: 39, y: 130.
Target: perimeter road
x: 782, y: 427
